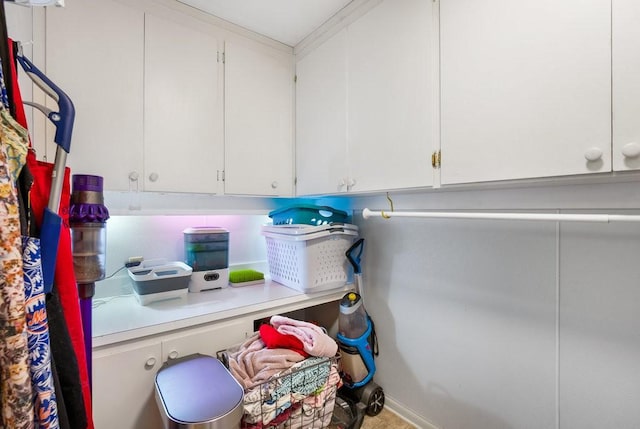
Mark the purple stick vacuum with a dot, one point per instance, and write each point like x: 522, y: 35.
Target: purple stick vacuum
x: 87, y: 218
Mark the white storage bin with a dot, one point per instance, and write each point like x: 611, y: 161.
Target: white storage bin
x: 309, y: 258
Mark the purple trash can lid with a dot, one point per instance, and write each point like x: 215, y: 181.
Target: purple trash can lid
x: 87, y: 201
x: 87, y: 182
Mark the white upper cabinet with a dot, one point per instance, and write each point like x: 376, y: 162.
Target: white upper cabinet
x: 258, y: 120
x: 147, y: 93
x: 101, y: 71
x: 321, y: 118
x: 183, y: 138
x: 149, y: 86
x: 391, y: 96
x: 525, y: 89
x: 626, y: 84
x: 366, y: 104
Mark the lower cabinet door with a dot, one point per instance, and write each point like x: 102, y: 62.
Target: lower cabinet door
x: 207, y: 340
x: 123, y: 386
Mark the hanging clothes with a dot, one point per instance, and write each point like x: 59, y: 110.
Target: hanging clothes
x: 15, y: 139
x: 38, y: 336
x: 63, y: 308
x: 63, y: 346
x: 76, y: 414
x: 16, y: 402
x: 5, y: 50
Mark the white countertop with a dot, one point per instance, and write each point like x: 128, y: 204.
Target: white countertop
x: 121, y: 318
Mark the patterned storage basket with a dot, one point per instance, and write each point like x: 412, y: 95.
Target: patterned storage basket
x: 301, y: 398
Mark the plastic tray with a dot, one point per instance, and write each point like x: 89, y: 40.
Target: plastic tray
x: 156, y: 280
x: 300, y: 230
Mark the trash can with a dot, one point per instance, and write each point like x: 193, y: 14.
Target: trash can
x: 198, y: 392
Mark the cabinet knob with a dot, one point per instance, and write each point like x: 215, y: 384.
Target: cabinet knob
x: 351, y: 183
x: 593, y: 154
x: 274, y: 184
x: 631, y: 150
x: 133, y: 176
x: 173, y: 354
x: 153, y: 177
x: 150, y: 363
x: 342, y: 183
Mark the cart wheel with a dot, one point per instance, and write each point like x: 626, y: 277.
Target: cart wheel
x: 373, y: 398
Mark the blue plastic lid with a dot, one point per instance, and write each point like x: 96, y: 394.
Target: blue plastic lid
x: 198, y: 389
x: 328, y: 209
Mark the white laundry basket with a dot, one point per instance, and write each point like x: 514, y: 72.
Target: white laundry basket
x: 309, y: 258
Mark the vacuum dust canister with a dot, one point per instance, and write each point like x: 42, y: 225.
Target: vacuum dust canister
x: 206, y: 250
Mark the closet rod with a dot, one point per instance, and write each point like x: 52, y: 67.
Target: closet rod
x: 602, y: 218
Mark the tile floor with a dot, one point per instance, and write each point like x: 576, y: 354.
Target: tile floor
x: 385, y: 420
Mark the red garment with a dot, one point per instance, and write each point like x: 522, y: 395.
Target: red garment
x: 275, y: 340
x: 65, y: 280
x: 21, y: 117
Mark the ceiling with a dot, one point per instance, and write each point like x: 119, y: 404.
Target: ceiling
x: 287, y: 21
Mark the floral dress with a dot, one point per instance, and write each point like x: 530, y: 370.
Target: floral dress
x: 16, y: 399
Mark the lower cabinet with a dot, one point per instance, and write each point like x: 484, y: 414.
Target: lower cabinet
x: 207, y: 340
x: 124, y: 374
x: 123, y: 380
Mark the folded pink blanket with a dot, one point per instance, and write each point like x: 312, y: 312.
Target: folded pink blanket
x: 314, y: 339
x: 252, y: 363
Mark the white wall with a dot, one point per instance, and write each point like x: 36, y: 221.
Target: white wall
x: 157, y: 236
x: 507, y: 324
x: 481, y: 324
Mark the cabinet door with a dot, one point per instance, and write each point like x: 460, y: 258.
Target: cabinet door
x: 258, y: 120
x: 392, y: 90
x: 626, y: 85
x: 525, y: 89
x: 183, y: 141
x: 100, y: 69
x: 123, y: 386
x: 207, y: 340
x: 321, y: 118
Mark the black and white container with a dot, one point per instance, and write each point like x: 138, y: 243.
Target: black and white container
x: 206, y: 250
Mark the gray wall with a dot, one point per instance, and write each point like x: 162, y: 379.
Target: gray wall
x: 507, y: 324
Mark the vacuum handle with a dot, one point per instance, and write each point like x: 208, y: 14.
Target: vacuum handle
x: 63, y: 119
x: 353, y: 257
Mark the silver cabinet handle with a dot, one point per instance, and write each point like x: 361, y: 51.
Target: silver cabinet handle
x: 153, y: 177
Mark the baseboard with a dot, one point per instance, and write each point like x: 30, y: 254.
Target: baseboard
x: 406, y: 414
